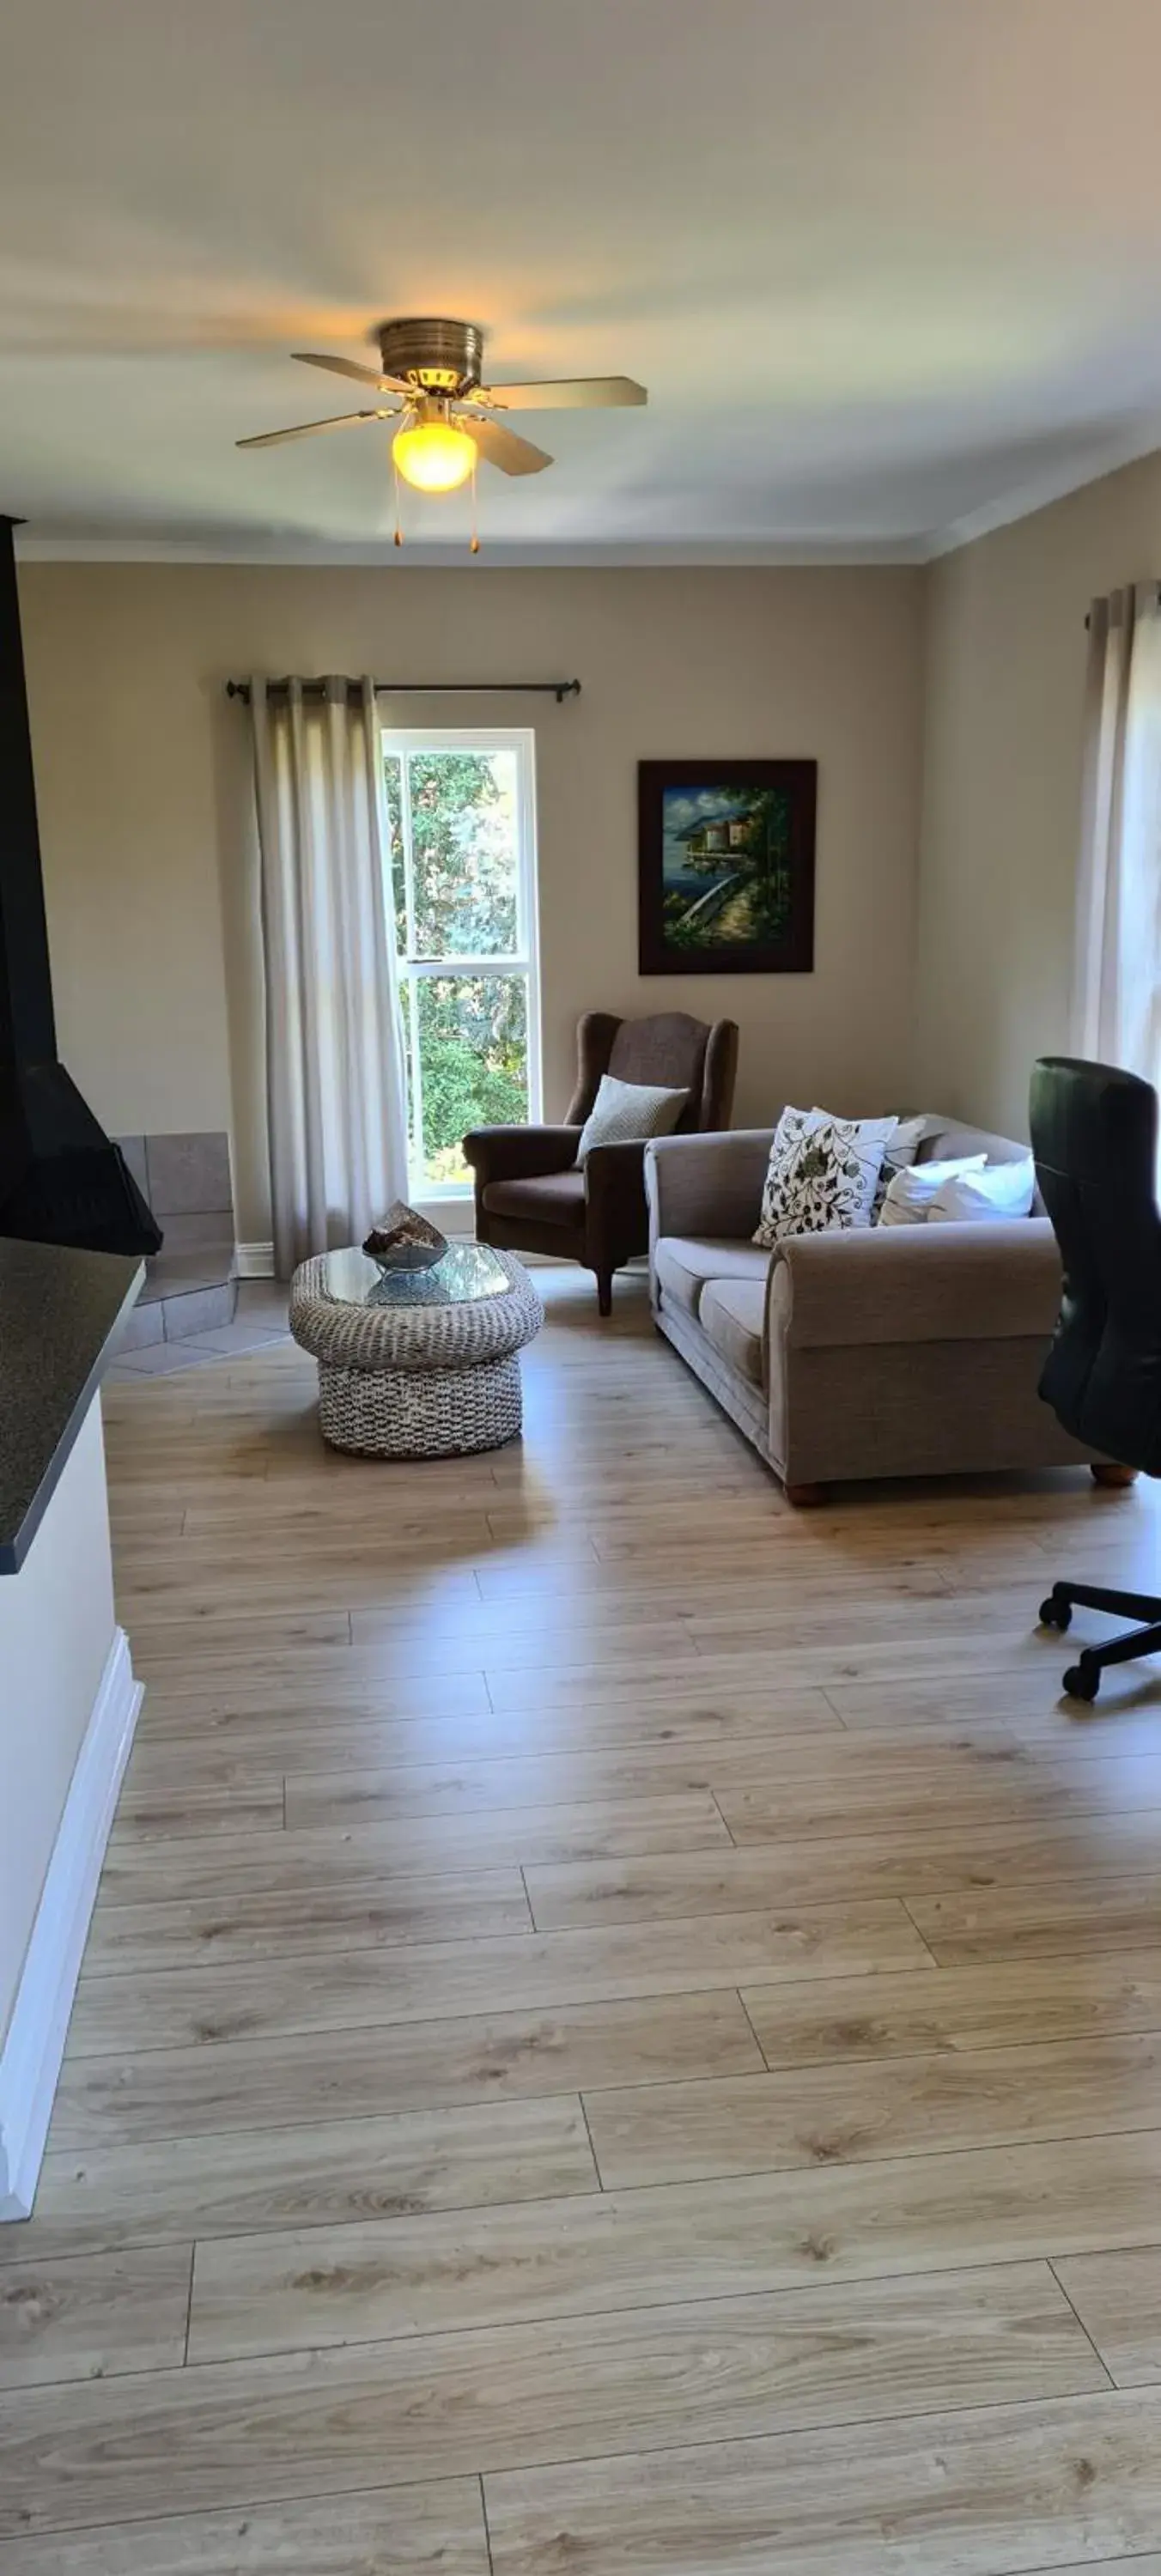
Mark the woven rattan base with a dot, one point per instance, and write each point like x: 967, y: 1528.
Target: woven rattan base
x: 408, y: 1413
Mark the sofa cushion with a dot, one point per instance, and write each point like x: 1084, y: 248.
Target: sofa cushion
x: 945, y: 1141
x: 900, y: 1155
x: 551, y: 1198
x: 910, y: 1194
x: 731, y: 1316
x: 683, y: 1264
x: 822, y: 1173
x: 987, y: 1196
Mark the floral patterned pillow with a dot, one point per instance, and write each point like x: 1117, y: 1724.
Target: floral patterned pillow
x: 822, y: 1174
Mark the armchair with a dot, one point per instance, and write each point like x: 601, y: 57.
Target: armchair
x: 530, y: 1196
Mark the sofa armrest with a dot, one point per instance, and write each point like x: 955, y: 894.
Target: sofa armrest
x: 707, y: 1184
x: 519, y: 1153
x: 916, y: 1283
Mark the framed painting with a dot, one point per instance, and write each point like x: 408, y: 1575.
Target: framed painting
x: 726, y: 866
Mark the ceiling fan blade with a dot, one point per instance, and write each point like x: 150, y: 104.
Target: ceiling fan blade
x: 308, y: 428
x: 337, y: 366
x: 566, y: 393
x: 349, y: 367
x: 502, y: 447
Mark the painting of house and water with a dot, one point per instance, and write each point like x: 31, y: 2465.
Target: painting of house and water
x: 727, y: 866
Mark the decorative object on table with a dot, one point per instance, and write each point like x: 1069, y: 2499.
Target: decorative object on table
x: 822, y: 1174
x: 404, y: 1240
x: 416, y: 1364
x: 533, y: 1195
x: 726, y: 866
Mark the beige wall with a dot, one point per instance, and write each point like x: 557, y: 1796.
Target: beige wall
x: 142, y: 770
x: 143, y: 779
x: 1005, y: 678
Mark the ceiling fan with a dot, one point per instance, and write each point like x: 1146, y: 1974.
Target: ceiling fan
x: 434, y: 370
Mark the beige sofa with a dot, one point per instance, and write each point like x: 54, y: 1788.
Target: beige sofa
x: 892, y: 1351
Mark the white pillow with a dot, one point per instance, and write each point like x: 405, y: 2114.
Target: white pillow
x: 821, y: 1174
x: 910, y: 1195
x: 1000, y: 1191
x: 625, y: 1112
x: 900, y: 1154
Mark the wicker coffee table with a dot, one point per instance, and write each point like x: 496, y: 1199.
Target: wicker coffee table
x: 416, y: 1363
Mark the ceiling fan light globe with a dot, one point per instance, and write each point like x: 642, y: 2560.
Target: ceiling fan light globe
x: 435, y: 456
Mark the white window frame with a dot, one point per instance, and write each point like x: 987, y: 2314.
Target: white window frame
x: 397, y: 743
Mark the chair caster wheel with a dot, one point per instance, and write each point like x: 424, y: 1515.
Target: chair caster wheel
x: 1082, y: 1681
x: 1055, y: 1614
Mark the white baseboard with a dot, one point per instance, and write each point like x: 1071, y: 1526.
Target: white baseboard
x: 34, y: 2046
x: 253, y: 1261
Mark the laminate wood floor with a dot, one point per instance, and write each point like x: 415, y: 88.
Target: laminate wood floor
x: 621, y: 2034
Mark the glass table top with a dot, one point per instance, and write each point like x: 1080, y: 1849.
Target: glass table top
x: 466, y: 1272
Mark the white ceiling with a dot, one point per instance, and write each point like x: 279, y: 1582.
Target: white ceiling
x: 886, y: 266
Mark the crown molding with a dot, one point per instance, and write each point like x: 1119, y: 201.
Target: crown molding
x: 47, y: 547
x: 1021, y: 501
x: 1091, y: 465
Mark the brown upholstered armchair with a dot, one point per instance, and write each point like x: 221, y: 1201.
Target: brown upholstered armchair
x: 529, y: 1195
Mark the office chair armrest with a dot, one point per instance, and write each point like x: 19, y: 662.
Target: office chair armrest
x: 519, y: 1153
x: 916, y: 1283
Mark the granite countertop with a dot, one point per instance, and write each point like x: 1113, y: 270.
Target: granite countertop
x: 59, y: 1317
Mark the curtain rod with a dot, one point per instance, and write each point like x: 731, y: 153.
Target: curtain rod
x: 558, y: 689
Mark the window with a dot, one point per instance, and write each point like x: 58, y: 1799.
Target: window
x: 463, y: 863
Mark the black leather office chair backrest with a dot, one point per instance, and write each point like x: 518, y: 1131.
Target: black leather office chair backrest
x: 1094, y: 1132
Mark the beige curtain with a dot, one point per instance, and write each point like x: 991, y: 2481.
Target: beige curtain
x: 1117, y: 982
x: 334, y: 1060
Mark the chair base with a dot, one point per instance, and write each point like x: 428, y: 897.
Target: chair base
x: 1083, y: 1679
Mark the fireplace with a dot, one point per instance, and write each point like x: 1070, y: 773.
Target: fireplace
x: 61, y: 1178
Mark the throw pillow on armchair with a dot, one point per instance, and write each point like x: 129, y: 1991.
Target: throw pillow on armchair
x: 628, y: 1113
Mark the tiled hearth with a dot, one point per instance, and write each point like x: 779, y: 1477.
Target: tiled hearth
x: 192, y: 1308
x: 259, y: 1318
x: 190, y: 1286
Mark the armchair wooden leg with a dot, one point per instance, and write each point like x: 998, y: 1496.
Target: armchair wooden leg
x: 1105, y: 1472
x: 804, y: 1497
x: 604, y: 1292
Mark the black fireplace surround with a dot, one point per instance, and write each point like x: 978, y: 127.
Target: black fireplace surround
x: 62, y: 1180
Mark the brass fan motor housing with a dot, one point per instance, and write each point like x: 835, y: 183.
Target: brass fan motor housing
x: 437, y: 357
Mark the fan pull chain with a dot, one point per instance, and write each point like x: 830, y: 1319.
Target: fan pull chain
x: 398, y: 511
x: 475, y: 545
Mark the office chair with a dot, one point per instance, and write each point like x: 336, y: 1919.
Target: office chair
x: 1094, y: 1134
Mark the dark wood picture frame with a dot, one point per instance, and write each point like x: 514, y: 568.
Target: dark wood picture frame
x: 756, y: 861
